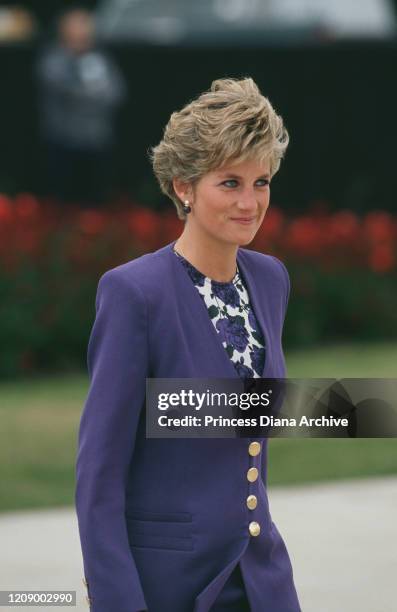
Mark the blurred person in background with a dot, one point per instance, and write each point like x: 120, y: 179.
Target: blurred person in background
x: 80, y: 88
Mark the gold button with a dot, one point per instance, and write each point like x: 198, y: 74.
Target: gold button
x: 254, y: 528
x: 254, y: 449
x: 85, y: 581
x: 252, y: 502
x: 252, y: 474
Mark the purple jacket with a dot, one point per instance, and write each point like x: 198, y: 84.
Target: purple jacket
x: 164, y: 522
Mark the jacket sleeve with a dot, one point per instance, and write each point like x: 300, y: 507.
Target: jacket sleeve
x: 117, y: 359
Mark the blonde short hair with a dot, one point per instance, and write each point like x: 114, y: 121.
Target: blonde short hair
x: 230, y: 121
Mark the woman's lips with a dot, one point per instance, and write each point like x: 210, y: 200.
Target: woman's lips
x: 244, y: 220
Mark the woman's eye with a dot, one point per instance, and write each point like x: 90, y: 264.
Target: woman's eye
x: 262, y: 182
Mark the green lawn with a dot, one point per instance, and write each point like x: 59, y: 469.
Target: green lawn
x: 344, y: 361
x: 40, y: 418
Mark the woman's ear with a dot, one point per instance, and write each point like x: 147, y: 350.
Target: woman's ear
x: 183, y: 190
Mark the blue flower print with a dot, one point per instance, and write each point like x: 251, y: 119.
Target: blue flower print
x: 257, y: 355
x: 197, y: 277
x: 231, y: 313
x: 252, y: 319
x: 233, y: 332
x: 226, y: 292
x: 242, y: 370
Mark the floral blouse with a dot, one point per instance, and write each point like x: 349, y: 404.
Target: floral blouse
x: 231, y: 313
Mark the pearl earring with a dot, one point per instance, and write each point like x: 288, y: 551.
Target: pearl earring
x: 186, y: 207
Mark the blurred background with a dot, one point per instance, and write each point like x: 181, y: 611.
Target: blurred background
x: 86, y: 89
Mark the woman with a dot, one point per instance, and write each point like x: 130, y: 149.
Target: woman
x: 183, y: 525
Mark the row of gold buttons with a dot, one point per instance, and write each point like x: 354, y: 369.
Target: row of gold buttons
x: 253, y: 449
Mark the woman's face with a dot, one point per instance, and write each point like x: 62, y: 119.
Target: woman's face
x: 230, y: 203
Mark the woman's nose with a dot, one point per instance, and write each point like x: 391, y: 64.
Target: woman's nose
x: 248, y: 200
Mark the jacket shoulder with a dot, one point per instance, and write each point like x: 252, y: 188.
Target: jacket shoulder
x: 265, y: 262
x: 274, y: 268
x: 139, y: 273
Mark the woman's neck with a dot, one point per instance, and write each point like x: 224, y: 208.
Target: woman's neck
x: 213, y: 258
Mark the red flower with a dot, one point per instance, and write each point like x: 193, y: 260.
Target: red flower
x: 5, y: 209
x: 272, y: 225
x: 343, y: 228
x: 102, y: 238
x: 304, y: 236
x: 382, y: 258
x: 92, y: 221
x: 143, y: 224
x: 379, y: 226
x: 26, y: 206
